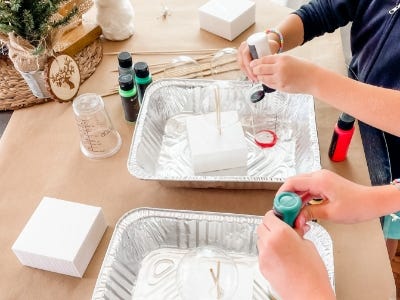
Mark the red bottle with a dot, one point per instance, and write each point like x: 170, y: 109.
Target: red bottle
x: 341, y: 138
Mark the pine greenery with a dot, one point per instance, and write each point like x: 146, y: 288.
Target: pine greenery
x: 32, y: 19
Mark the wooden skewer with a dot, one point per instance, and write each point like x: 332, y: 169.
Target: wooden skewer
x: 166, y: 52
x: 216, y: 280
x: 204, y: 73
x: 204, y: 58
x: 109, y: 93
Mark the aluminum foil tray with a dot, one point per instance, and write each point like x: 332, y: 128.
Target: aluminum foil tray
x: 147, y: 246
x: 160, y: 150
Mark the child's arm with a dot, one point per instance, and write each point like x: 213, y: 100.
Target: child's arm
x: 379, y: 107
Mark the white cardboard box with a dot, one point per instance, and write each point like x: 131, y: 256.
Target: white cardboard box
x: 227, y: 18
x: 211, y: 151
x: 60, y: 236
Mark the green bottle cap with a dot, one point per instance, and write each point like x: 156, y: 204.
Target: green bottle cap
x: 287, y: 206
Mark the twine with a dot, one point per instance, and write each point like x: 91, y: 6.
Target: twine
x: 20, y: 52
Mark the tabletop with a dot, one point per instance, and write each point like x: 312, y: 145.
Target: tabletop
x: 40, y: 156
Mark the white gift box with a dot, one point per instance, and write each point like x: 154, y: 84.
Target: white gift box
x: 212, y: 151
x: 227, y: 18
x: 60, y: 236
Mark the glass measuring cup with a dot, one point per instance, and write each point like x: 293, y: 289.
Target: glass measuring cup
x: 99, y: 139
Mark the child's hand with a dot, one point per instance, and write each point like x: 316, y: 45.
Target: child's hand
x: 285, y: 73
x: 343, y: 201
x: 290, y: 263
x: 244, y: 58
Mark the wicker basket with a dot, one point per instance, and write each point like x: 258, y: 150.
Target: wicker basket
x: 15, y: 92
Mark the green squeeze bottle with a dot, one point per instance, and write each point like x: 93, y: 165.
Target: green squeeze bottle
x: 287, y: 206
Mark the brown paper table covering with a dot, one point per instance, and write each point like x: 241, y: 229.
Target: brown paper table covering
x: 40, y: 156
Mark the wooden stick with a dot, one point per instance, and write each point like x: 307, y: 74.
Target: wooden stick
x: 166, y: 52
x: 206, y: 58
x: 204, y: 73
x: 110, y: 93
x: 216, y: 280
x: 204, y: 70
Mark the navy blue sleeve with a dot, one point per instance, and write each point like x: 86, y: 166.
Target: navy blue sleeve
x: 321, y: 16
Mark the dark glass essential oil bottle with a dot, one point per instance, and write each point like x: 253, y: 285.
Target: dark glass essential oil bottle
x: 129, y: 97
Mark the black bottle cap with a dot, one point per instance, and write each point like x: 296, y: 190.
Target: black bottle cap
x: 141, y: 69
x: 345, y: 121
x: 126, y: 82
x: 257, y: 96
x: 125, y: 60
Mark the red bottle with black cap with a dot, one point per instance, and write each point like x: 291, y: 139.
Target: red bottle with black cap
x: 341, y: 138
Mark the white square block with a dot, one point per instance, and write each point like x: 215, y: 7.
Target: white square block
x: 60, y: 236
x: 227, y: 18
x: 211, y: 151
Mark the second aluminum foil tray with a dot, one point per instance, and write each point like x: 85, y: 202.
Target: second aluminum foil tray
x: 148, y: 246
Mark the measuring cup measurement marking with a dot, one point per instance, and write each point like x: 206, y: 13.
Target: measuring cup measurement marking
x: 90, y: 138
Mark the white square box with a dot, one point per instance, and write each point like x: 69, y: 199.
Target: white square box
x: 211, y: 151
x: 60, y: 236
x: 227, y: 18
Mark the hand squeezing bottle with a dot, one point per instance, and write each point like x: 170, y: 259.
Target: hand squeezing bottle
x: 287, y: 206
x: 259, y: 47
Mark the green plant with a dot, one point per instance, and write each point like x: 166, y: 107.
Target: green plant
x: 33, y: 20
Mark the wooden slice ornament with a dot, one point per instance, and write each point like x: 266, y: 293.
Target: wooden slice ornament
x: 63, y: 77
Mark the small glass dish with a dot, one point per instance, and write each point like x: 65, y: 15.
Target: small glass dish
x: 183, y: 67
x: 224, y: 65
